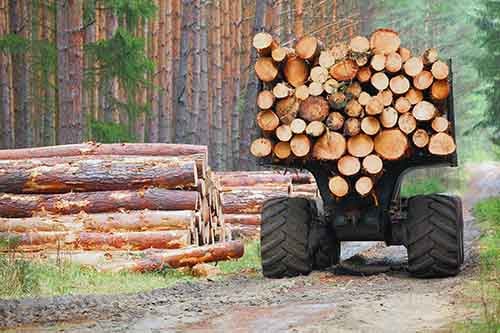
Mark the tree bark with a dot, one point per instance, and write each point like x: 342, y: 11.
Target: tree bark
x: 247, y: 202
x: 246, y: 219
x: 5, y: 81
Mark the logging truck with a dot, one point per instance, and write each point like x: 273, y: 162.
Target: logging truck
x: 358, y: 116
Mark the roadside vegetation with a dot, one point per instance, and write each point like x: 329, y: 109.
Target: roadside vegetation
x: 23, y: 278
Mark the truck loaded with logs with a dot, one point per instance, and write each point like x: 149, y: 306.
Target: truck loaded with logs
x: 358, y: 116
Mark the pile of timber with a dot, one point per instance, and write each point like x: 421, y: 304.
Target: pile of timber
x: 114, y: 197
x: 361, y: 105
x: 243, y: 194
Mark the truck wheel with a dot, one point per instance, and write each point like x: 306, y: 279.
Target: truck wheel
x: 434, y: 236
x: 285, y: 249
x: 326, y: 247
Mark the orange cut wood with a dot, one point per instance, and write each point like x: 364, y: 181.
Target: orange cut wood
x: 352, y: 126
x: 353, y: 108
x: 307, y: 47
x: 370, y: 125
x: 359, y: 44
x: 389, y: 117
x: 386, y: 97
x: 338, y: 186
x: 314, y: 108
x: 330, y: 146
x: 266, y: 69
x: 440, y: 124
x: 402, y: 105
x: 265, y: 99
x: 298, y: 126
x: 348, y: 165
x: 261, y: 147
x: 424, y: 111
x: 364, y: 74
x: 442, y: 144
x: 300, y: 145
x: 391, y: 144
x: 360, y: 145
x: 384, y: 41
x: 393, y: 62
x: 440, y: 70
x: 284, y: 132
x: 399, y: 84
x: 420, y: 138
x: 267, y: 120
x: 374, y: 106
x: 296, y: 71
x: 315, y: 128
x: 364, y: 185
x: 264, y: 43
x: 378, y: 62
x: 414, y: 96
x: 287, y: 109
x: 373, y: 164
x: 344, y: 70
x: 407, y: 123
x: 335, y: 121
x: 282, y: 150
x: 404, y: 53
x: 423, y: 80
x: 413, y: 66
x: 440, y: 90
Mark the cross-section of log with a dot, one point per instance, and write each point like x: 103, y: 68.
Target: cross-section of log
x: 26, y: 205
x: 307, y: 47
x: 360, y: 145
x: 384, y: 41
x: 315, y: 128
x: 440, y: 124
x: 374, y: 106
x: 302, y: 92
x: 404, y: 53
x: 378, y: 62
x: 441, y: 144
x: 284, y: 133
x: 423, y: 80
x: 407, y: 123
x: 413, y: 66
x: 354, y: 89
x: 296, y: 71
x: 330, y: 86
x: 364, y: 74
x: 282, y: 150
x: 420, y: 138
x: 373, y: 164
x: 265, y: 69
x: 380, y: 81
x: 315, y: 89
x: 300, y: 145
x: 389, y: 117
x: 264, y: 43
x: 330, y: 146
x: 353, y: 108
x: 267, y: 120
x: 344, y: 70
x: 440, y: 90
x: 337, y: 100
x: 319, y: 74
x: 402, y: 105
x: 287, y: 109
x: 265, y: 99
x: 314, y: 108
x: 352, y: 126
x: 440, y: 70
x: 247, y: 202
x: 326, y: 59
x: 348, y: 165
x: 338, y: 186
x: 298, y: 126
x: 279, y: 54
x: 282, y: 90
x: 414, y: 96
x: 386, y: 97
x: 364, y: 98
x: 399, y: 84
x: 430, y: 56
x: 370, y: 125
x: 261, y: 147
x: 364, y: 185
x: 335, y: 121
x: 391, y: 144
x: 246, y: 219
x: 424, y: 111
x: 359, y: 44
x: 393, y: 62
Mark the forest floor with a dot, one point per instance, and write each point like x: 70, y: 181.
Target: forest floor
x: 380, y: 296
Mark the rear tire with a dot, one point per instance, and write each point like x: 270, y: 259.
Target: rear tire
x: 434, y: 236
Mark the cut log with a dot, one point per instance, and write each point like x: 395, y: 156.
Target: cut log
x: 302, y: 92
x: 338, y: 186
x: 420, y: 138
x: 282, y: 90
x: 340, y: 51
x: 296, y: 71
x: 314, y: 108
x: 319, y: 74
x: 359, y: 44
x: 344, y: 70
x: 423, y: 80
x: 378, y: 62
x: 284, y: 133
x: 393, y: 63
x: 414, y: 96
x: 373, y: 164
x: 424, y: 111
x: 430, y: 56
x: 279, y: 54
x: 440, y: 124
x: 337, y: 100
x: 315, y: 128
x: 303, y: 188
x: 282, y: 150
x: 413, y: 66
x: 300, y: 145
x: 246, y: 219
x: 348, y: 165
x: 402, y: 105
x: 335, y: 121
x: 247, y: 202
x: 364, y: 74
x: 244, y: 232
x: 389, y: 117
x: 404, y: 53
x: 407, y: 123
x: 353, y: 108
x: 330, y: 146
x: 261, y: 147
x: 370, y: 125
x: 315, y: 89
x: 441, y: 144
x: 265, y: 100
x: 391, y: 144
x: 440, y: 90
x: 298, y: 126
x: 384, y: 41
x: 360, y: 145
x: 440, y: 70
x: 287, y: 109
x: 96, y: 174
x: 326, y: 59
x: 265, y: 69
x: 364, y: 186
x: 307, y: 48
x: 354, y: 89
x: 330, y: 86
x: 374, y: 106
x: 380, y: 81
x: 399, y: 84
x: 352, y: 126
x: 386, y: 97
x: 267, y: 120
x: 361, y: 59
x: 364, y: 98
x: 26, y: 205
x: 264, y: 43
x: 258, y: 180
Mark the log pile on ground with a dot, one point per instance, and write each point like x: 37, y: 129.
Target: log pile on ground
x: 243, y: 194
x: 116, y: 197
x: 363, y: 106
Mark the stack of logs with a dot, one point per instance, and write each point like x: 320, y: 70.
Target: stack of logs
x: 360, y: 105
x: 115, y: 197
x: 243, y: 194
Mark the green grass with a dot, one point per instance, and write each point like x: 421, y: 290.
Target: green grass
x: 422, y: 186
x: 485, y: 291
x: 21, y: 278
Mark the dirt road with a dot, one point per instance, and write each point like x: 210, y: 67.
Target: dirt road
x: 387, y: 301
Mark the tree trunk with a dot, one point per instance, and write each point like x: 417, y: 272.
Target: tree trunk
x: 236, y: 65
x: 246, y: 219
x: 270, y: 181
x: 5, y: 81
x: 247, y: 201
x: 299, y: 19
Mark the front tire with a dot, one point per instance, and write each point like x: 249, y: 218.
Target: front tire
x: 434, y: 236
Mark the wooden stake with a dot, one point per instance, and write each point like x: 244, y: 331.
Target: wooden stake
x: 282, y: 150
x: 424, y: 111
x: 407, y: 123
x: 284, y: 133
x: 441, y: 144
x: 300, y: 145
x: 344, y: 70
x: 265, y: 100
x: 315, y: 128
x: 370, y: 125
x: 338, y: 186
x: 261, y: 147
x: 267, y: 120
x: 266, y: 69
x: 423, y: 80
x: 399, y: 84
x: 413, y: 66
x: 330, y: 146
x: 420, y: 138
x: 335, y: 121
x: 440, y: 124
x: 391, y: 144
x: 314, y: 108
x: 360, y: 145
x: 384, y: 41
x: 373, y: 164
x: 348, y: 165
x: 296, y: 71
x: 389, y: 117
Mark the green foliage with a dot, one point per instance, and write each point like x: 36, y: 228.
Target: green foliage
x: 488, y: 214
x: 14, y: 44
x: 107, y: 132
x: 18, y: 277
x: 422, y: 186
x: 131, y: 10
x: 249, y: 262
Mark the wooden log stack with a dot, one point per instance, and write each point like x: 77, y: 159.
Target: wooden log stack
x: 362, y: 106
x: 116, y: 197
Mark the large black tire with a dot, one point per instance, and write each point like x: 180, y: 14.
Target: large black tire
x: 285, y: 248
x: 434, y: 236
